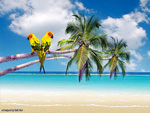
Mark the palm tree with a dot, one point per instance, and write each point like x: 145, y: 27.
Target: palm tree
x: 116, y: 50
x: 84, y: 38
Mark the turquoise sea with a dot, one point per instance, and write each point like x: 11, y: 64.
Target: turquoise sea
x: 59, y: 82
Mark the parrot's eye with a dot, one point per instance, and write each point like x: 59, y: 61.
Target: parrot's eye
x: 50, y: 34
x: 29, y: 37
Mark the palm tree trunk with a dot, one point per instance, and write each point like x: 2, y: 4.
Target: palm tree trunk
x: 27, y: 64
x: 28, y: 55
x: 111, y: 73
x: 81, y: 73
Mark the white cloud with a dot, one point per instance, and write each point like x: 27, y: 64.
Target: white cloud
x: 131, y: 66
x: 142, y: 70
x: 139, y: 17
x: 11, y: 5
x: 127, y: 28
x: 145, y: 5
x: 81, y: 6
x: 38, y: 17
x: 63, y: 63
x: 148, y: 53
x: 136, y: 55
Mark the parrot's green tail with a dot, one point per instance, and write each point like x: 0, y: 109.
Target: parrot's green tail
x: 39, y: 55
x: 42, y: 62
x: 41, y: 68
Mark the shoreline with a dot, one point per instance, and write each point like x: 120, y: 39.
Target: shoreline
x: 88, y: 105
x: 70, y: 74
x: 74, y: 98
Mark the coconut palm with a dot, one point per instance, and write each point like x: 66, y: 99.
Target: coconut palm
x: 116, y: 50
x: 84, y: 38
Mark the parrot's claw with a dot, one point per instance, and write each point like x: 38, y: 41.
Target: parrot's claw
x: 32, y: 53
x: 49, y: 51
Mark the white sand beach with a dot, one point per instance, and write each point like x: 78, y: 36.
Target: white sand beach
x: 74, y: 102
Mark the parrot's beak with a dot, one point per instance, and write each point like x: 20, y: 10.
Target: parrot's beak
x: 28, y: 38
x: 52, y: 37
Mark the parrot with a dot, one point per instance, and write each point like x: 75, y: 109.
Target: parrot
x: 45, y: 46
x: 35, y: 45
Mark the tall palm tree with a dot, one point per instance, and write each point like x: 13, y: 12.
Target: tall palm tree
x: 84, y: 38
x: 116, y: 50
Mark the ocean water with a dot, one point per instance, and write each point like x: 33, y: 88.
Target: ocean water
x: 44, y: 82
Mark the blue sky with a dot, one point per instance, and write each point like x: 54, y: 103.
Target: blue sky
x: 127, y: 19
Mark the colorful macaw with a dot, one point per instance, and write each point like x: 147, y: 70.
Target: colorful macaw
x: 45, y: 46
x: 35, y: 44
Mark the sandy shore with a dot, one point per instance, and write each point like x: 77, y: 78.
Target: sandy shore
x: 75, y: 109
x: 74, y: 102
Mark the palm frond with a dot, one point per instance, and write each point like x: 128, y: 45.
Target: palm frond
x: 116, y: 71
x: 107, y: 64
x: 88, y: 69
x: 122, y: 66
x: 99, y: 41
x: 80, y: 20
x: 72, y: 28
x: 96, y: 58
x: 114, y: 43
x: 65, y: 47
x: 125, y: 55
x: 122, y: 44
x: 94, y: 24
x: 70, y: 62
x: 65, y: 41
x: 89, y: 21
x: 81, y: 56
